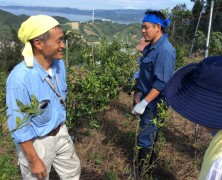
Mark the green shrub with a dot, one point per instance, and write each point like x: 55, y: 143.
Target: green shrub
x: 180, y: 58
x: 93, y: 86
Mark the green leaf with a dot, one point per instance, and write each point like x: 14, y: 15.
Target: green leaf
x: 33, y: 111
x: 25, y: 108
x: 34, y: 101
x: 94, y: 124
x: 20, y: 104
x: 18, y: 121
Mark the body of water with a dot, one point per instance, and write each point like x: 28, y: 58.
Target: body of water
x: 71, y: 17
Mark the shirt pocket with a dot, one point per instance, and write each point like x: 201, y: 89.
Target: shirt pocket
x: 45, y: 112
x: 147, y: 64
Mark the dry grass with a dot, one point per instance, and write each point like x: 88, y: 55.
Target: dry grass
x: 180, y: 156
x: 107, y: 152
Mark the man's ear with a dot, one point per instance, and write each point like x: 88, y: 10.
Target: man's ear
x: 159, y: 26
x: 37, y: 44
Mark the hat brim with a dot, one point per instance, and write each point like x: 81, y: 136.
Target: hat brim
x: 198, y: 105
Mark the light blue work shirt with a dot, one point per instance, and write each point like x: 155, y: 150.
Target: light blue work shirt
x: 22, y: 83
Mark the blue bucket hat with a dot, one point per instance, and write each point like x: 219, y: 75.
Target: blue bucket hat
x: 195, y: 92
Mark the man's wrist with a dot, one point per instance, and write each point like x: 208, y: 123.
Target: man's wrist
x: 144, y: 102
x: 34, y: 157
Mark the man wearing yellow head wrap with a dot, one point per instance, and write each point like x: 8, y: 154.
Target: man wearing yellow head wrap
x: 42, y: 140
x: 33, y: 27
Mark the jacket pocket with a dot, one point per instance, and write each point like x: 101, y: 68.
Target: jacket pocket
x: 147, y: 64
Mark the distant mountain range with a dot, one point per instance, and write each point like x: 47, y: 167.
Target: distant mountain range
x: 91, y: 32
x: 8, y: 20
x: 119, y: 15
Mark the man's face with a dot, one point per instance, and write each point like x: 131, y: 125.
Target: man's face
x: 54, y: 46
x: 150, y: 31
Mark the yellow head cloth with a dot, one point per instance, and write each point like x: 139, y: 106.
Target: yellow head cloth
x: 31, y: 28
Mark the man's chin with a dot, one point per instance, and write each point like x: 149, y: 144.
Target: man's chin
x: 146, y: 38
x: 58, y: 58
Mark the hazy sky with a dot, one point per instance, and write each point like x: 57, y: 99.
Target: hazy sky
x: 101, y: 4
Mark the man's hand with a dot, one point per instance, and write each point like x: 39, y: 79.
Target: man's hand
x: 140, y: 107
x: 38, y: 168
x: 136, y: 97
x: 36, y: 164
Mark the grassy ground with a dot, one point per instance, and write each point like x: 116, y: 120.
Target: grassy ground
x: 8, y: 160
x: 107, y: 153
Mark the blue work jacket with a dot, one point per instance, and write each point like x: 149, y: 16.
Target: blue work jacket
x: 156, y: 68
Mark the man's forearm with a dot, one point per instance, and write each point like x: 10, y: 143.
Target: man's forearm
x: 152, y: 95
x: 29, y: 150
x: 36, y: 164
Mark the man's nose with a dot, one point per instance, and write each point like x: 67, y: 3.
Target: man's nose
x: 62, y: 44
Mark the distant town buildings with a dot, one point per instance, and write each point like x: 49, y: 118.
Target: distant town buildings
x: 74, y: 25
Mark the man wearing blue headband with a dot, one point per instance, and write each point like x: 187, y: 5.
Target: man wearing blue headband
x: 157, y: 65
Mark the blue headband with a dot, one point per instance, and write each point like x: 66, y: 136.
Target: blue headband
x: 156, y: 20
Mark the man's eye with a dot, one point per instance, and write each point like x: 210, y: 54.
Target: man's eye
x: 59, y: 41
x: 145, y: 27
